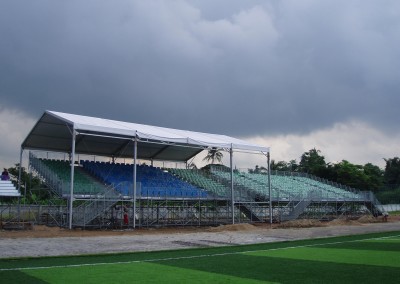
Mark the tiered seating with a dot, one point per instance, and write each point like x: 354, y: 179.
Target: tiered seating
x: 183, y: 183
x: 330, y: 190
x: 304, y: 186
x: 197, y: 178
x: 154, y: 182
x: 283, y: 187
x: 82, y: 183
x: 259, y: 183
x: 241, y: 180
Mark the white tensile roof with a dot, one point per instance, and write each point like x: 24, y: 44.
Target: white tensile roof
x: 99, y: 136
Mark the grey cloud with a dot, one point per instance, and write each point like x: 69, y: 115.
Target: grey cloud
x: 234, y: 67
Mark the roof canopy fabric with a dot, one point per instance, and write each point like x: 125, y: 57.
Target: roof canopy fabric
x: 98, y: 136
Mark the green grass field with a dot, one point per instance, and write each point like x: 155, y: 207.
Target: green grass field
x: 371, y: 258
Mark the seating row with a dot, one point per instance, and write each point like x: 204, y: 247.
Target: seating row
x: 155, y: 182
x: 152, y: 182
x: 286, y: 186
x: 199, y: 179
x: 82, y: 183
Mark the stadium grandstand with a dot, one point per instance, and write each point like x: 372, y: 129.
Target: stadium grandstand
x: 93, y: 163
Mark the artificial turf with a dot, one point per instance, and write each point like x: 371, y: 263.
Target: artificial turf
x: 370, y: 258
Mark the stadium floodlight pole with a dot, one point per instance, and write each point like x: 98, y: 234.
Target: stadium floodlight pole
x: 269, y: 187
x: 134, y: 181
x: 232, y: 196
x: 71, y: 191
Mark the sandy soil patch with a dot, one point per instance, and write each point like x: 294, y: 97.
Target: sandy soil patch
x: 53, y: 241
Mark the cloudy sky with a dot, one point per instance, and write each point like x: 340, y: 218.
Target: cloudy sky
x: 293, y: 74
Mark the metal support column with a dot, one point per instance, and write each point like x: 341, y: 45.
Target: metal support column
x: 71, y: 192
x: 269, y: 187
x: 134, y: 181
x: 232, y: 193
x: 20, y: 170
x: 19, y: 184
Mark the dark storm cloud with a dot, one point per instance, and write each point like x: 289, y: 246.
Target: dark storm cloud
x: 240, y: 68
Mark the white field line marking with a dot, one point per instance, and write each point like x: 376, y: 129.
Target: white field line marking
x: 188, y: 257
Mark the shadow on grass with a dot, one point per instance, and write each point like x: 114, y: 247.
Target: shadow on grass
x: 285, y: 270
x: 365, y: 246
x: 16, y: 276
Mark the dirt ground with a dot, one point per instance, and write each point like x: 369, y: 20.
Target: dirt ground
x: 52, y: 241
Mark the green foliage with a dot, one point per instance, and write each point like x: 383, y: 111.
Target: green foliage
x: 389, y: 196
x: 192, y: 166
x: 313, y: 163
x: 282, y: 166
x: 213, y: 155
x: 294, y: 167
x: 352, y: 175
x: 31, y: 185
x: 363, y: 177
x: 258, y: 170
x: 375, y: 177
x: 207, y: 168
x: 392, y: 171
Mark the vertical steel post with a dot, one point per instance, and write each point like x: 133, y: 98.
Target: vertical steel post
x: 19, y: 184
x: 20, y: 170
x: 71, y: 192
x: 134, y: 181
x: 269, y: 188
x: 232, y: 194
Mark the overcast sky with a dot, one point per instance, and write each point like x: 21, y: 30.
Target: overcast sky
x: 292, y: 75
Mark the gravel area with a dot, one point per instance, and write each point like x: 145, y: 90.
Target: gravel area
x: 28, y: 244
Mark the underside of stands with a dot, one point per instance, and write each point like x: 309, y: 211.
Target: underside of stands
x: 103, y: 194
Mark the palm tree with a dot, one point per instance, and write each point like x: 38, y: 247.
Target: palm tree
x: 192, y: 166
x: 213, y: 155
